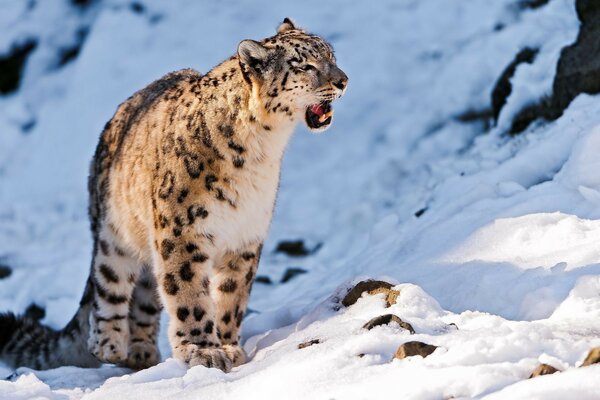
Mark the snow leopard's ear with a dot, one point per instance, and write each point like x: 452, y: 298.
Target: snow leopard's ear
x: 253, y: 54
x: 286, y: 25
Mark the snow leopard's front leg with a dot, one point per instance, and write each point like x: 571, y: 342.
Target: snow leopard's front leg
x: 185, y: 278
x: 234, y: 275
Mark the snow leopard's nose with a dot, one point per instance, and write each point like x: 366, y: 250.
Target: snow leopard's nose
x: 338, y: 78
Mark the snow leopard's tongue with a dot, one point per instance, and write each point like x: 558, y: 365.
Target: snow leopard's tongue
x: 317, y: 109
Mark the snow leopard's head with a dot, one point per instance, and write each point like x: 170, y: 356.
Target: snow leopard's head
x: 295, y: 74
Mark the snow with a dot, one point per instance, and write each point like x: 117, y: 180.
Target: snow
x: 504, y: 247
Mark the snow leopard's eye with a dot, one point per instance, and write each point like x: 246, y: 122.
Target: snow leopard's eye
x: 308, y: 67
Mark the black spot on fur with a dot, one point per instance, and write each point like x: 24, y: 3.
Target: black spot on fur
x: 178, y: 221
x: 249, y: 276
x: 191, y: 247
x: 116, y: 298
x: 108, y: 273
x: 148, y: 309
x: 198, y: 313
x: 177, y: 231
x: 209, y: 180
x: 35, y: 312
x: 170, y: 285
x: 248, y: 256
x: 226, y: 130
x: 104, y: 247
x: 163, y: 221
x: 227, y: 335
x: 208, y: 328
x: 166, y: 186
x: 185, y: 272
x: 228, y: 286
x: 226, y: 317
x: 182, y: 195
x: 195, y: 332
x: 238, y: 162
x: 194, y: 211
x: 193, y: 165
x: 236, y: 147
x: 206, y: 283
x: 167, y: 248
x: 183, y: 313
x: 199, y: 257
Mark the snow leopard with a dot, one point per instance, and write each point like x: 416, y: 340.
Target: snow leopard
x: 182, y: 188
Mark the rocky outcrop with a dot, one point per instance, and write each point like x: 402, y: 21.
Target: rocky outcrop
x: 543, y: 369
x: 372, y: 287
x: 410, y: 349
x: 388, y: 319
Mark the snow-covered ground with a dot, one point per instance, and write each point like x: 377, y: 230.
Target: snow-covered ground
x: 506, y: 245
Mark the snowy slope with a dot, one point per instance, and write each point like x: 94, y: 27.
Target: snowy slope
x: 505, y: 246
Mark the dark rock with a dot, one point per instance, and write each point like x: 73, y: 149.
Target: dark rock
x: 263, y: 279
x: 420, y: 212
x: 410, y: 349
x: 543, y: 369
x: 503, y: 87
x: 532, y: 4
x: 5, y: 271
x: 70, y: 53
x: 483, y: 115
x: 82, y: 3
x: 295, y: 248
x: 578, y: 69
x: 11, y: 65
x: 35, y: 312
x: 593, y: 357
x: 363, y: 286
x: 526, y: 116
x: 137, y: 7
x: 291, y: 273
x: 386, y: 320
x: 309, y: 343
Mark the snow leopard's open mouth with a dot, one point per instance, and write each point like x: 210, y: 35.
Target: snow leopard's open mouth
x: 319, y: 116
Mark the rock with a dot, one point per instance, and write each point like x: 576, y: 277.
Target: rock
x: 291, y: 273
x: 420, y: 212
x: 11, y: 65
x: 5, y: 271
x: 532, y: 4
x: 503, y: 87
x: 293, y: 248
x: 35, y: 312
x: 309, y: 343
x: 410, y: 349
x: 593, y: 357
x: 543, y: 369
x: 386, y: 320
x: 263, y: 279
x: 578, y: 69
x: 364, y: 286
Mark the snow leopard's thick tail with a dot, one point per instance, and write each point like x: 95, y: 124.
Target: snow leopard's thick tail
x: 24, y: 342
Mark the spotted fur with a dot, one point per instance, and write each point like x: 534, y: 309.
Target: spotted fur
x: 182, y: 189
